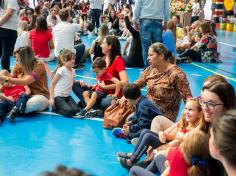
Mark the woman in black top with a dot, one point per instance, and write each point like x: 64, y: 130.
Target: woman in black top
x: 134, y: 58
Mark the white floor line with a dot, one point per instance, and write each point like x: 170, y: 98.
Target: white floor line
x: 227, y: 44
x: 55, y: 114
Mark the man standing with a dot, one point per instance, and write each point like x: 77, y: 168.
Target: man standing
x: 96, y: 10
x: 150, y: 14
x: 64, y: 36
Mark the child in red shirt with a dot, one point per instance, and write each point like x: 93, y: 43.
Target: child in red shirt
x: 104, y: 86
x: 190, y: 158
x: 13, y: 99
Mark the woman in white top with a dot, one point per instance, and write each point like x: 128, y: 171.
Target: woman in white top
x: 8, y: 27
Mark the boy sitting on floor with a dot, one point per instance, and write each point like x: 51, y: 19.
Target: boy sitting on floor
x: 145, y: 111
x: 101, y: 89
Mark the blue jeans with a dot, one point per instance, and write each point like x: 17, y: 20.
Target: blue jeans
x: 78, y: 90
x: 21, y: 102
x: 150, y: 32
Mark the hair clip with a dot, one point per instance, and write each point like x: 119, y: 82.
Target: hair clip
x: 198, y: 161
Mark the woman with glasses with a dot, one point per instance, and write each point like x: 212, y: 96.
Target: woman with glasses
x: 29, y: 71
x: 216, y: 97
x: 8, y: 30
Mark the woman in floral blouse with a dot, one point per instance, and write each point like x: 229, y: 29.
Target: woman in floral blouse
x: 166, y: 83
x: 206, y: 50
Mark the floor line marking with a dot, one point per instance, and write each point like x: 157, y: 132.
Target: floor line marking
x: 226, y: 44
x: 232, y: 79
x: 75, y: 117
x: 220, y: 69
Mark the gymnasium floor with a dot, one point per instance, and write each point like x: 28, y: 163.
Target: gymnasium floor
x: 39, y: 142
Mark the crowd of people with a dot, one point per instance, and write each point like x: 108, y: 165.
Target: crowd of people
x: 51, y: 32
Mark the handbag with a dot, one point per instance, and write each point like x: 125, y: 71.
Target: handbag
x: 116, y: 114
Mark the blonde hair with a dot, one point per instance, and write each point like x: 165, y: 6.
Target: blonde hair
x: 159, y: 48
x: 27, y: 58
x: 103, y: 31
x: 196, y: 152
x: 22, y: 26
x: 200, y: 123
x: 65, y: 56
x: 172, y: 26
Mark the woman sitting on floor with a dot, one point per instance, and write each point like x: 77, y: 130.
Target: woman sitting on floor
x: 34, y: 75
x: 115, y: 66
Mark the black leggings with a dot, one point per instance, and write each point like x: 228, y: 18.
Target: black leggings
x: 147, y: 138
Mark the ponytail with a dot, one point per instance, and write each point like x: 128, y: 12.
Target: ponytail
x: 170, y: 58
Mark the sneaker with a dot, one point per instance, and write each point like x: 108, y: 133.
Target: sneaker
x: 134, y: 141
x: 81, y: 114
x: 13, y: 113
x: 91, y: 113
x: 118, y: 132
x: 78, y: 67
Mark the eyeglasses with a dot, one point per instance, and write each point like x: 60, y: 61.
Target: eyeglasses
x: 210, y: 105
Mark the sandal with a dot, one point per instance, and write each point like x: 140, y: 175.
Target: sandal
x: 124, y: 163
x: 123, y: 155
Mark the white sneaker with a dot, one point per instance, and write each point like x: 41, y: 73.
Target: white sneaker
x: 134, y: 141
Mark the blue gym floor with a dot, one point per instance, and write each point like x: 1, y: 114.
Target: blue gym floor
x: 39, y: 142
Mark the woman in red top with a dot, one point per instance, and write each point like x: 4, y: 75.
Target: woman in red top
x: 41, y: 40
x: 115, y: 66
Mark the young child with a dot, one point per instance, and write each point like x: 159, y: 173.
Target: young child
x: 101, y: 89
x: 61, y: 85
x: 197, y: 38
x: 145, y: 111
x: 13, y: 99
x: 22, y: 35
x: 169, y: 37
x: 190, y: 158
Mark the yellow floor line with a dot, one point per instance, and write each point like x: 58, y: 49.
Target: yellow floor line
x: 232, y: 79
